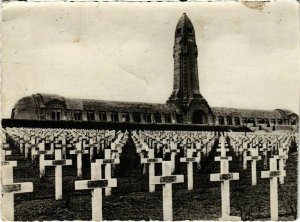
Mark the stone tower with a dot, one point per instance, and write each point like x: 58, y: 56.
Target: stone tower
x: 186, y: 93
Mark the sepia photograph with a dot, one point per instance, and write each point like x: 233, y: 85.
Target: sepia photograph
x: 139, y: 111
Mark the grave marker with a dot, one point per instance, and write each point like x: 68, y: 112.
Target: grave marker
x: 224, y: 176
x: 166, y: 180
x: 79, y: 152
x: 273, y: 174
x: 41, y: 152
x: 58, y: 163
x: 281, y: 157
x: 96, y: 184
x: 9, y: 188
x: 189, y: 160
x: 151, y: 161
x: 253, y: 158
x: 108, y: 162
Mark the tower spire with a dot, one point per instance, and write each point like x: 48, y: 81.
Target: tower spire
x: 185, y: 53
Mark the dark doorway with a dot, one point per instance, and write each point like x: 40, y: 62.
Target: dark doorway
x: 199, y: 117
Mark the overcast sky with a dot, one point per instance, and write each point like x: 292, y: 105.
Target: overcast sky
x: 248, y: 58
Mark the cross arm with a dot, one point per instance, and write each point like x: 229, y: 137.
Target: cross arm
x: 17, y: 188
x: 272, y: 174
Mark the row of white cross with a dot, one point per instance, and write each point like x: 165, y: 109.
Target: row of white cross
x: 224, y: 176
x: 96, y: 183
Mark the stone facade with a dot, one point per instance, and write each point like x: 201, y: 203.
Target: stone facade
x: 186, y: 93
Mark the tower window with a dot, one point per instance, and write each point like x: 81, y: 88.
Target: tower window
x: 189, y: 30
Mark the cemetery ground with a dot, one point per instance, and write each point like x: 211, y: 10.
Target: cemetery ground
x: 130, y: 200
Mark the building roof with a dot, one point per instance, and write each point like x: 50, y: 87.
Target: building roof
x: 44, y: 100
x: 127, y: 106
x: 249, y: 113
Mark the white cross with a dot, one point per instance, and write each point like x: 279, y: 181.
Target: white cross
x: 273, y: 174
x: 96, y: 184
x: 22, y: 146
x: 245, y: 149
x: 198, y: 150
x: 281, y: 157
x: 265, y: 149
x: 151, y: 161
x: 189, y: 160
x: 79, y: 152
x: 174, y: 151
x: 5, y: 150
x: 9, y: 188
x: 116, y: 149
x: 92, y: 145
x: 253, y: 158
x: 41, y: 152
x: 58, y: 163
x: 166, y: 180
x: 108, y: 161
x: 224, y: 176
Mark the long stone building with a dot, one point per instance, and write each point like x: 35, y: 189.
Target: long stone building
x: 186, y: 105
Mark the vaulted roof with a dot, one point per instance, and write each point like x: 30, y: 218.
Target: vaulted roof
x: 249, y: 113
x: 45, y: 100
